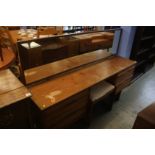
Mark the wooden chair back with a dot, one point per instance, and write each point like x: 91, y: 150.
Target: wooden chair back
x: 6, y: 39
x: 7, y: 49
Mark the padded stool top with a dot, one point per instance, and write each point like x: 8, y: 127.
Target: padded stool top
x: 100, y: 90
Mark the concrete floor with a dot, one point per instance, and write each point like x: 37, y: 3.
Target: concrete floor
x: 133, y: 99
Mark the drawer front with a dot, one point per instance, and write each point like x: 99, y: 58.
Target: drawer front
x: 122, y: 85
x: 126, y: 72
x: 123, y: 76
x: 102, y: 45
x: 70, y: 120
x: 64, y: 112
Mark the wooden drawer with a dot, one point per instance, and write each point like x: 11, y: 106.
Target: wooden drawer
x: 64, y: 111
x: 70, y: 120
x: 127, y: 71
x: 52, y: 53
x: 101, y: 45
x: 123, y: 76
x: 122, y: 85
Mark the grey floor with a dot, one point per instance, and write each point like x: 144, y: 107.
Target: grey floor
x: 133, y: 99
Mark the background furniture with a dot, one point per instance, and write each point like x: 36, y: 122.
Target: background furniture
x: 146, y: 118
x: 46, y: 31
x: 51, y: 53
x: 13, y: 27
x: 8, y: 58
x: 143, y: 50
x: 6, y: 39
x: 7, y: 49
x: 14, y: 102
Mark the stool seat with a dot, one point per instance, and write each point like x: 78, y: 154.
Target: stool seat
x: 146, y: 118
x: 100, y: 90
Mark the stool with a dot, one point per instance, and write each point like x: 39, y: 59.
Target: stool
x: 102, y: 91
x: 146, y: 118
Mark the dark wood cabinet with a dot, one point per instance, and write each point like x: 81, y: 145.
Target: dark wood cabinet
x: 64, y: 114
x: 14, y: 102
x: 16, y: 116
x: 143, y: 50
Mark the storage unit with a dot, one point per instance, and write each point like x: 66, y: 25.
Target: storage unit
x: 14, y: 102
x: 143, y: 50
x: 64, y: 114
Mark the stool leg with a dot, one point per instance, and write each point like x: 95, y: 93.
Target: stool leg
x: 117, y: 96
x: 110, y: 101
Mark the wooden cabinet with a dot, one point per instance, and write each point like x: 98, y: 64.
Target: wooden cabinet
x: 95, y: 41
x: 72, y: 45
x: 14, y: 102
x: 143, y: 50
x: 61, y: 101
x: 16, y: 115
x: 30, y: 57
x: 65, y: 113
x: 51, y: 53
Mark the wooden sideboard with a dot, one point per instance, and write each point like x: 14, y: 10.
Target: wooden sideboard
x: 61, y: 101
x: 58, y: 94
x: 14, y: 102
